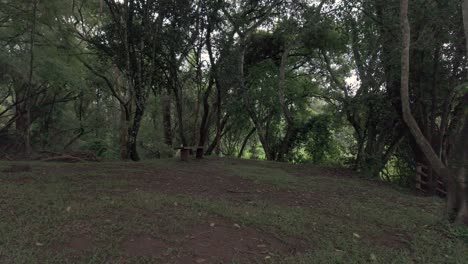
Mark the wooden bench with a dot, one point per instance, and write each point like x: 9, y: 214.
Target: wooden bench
x: 186, y: 152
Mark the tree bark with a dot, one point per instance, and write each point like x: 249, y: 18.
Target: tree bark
x: 167, y: 118
x: 218, y: 120
x: 212, y: 146
x: 124, y: 118
x: 215, y: 75
x: 199, y: 84
x: 244, y: 143
x: 132, y: 151
x: 459, y: 168
x: 180, y: 119
x: 286, y: 143
x: 204, y: 120
x: 27, y: 103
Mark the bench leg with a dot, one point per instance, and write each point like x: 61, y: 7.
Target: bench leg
x: 184, y: 155
x: 199, y: 153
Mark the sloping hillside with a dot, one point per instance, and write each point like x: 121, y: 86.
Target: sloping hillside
x: 215, y: 211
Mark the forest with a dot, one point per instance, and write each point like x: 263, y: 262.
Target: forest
x: 377, y: 88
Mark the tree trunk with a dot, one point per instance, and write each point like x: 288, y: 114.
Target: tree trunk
x: 132, y: 152
x: 27, y: 100
x: 244, y: 143
x: 413, y: 126
x: 218, y: 120
x: 167, y: 118
x: 21, y: 120
x: 123, y: 132
x: 180, y: 118
x: 359, y: 162
x: 124, y: 118
x: 455, y: 175
x: 204, y: 121
x: 269, y: 155
x: 215, y: 78
x: 212, y: 146
x: 459, y: 168
x: 291, y: 130
x: 286, y: 143
x: 462, y: 144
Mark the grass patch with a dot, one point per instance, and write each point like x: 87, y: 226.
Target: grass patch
x: 272, y: 176
x: 356, y: 223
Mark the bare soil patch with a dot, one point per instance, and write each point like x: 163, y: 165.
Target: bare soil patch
x: 209, y: 178
x: 217, y: 240
x: 391, y: 240
x: 144, y: 245
x: 78, y: 244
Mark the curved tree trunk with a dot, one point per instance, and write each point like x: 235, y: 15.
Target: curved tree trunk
x: 244, y: 143
x: 408, y: 117
x: 213, y: 144
x: 204, y: 121
x: 456, y: 174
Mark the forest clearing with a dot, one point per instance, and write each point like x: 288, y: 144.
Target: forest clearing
x: 216, y: 211
x: 226, y: 131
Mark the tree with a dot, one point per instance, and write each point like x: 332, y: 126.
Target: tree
x: 184, y: 29
x: 31, y: 40
x: 455, y: 173
x: 131, y: 40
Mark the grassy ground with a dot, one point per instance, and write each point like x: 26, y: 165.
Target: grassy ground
x: 216, y: 211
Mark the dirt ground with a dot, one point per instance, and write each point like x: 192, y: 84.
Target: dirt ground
x: 208, y: 211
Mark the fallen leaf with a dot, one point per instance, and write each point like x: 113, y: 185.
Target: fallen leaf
x: 237, y: 226
x: 200, y: 260
x: 68, y: 209
x: 212, y: 224
x: 261, y: 246
x: 39, y: 244
x: 373, y: 257
x: 356, y: 235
